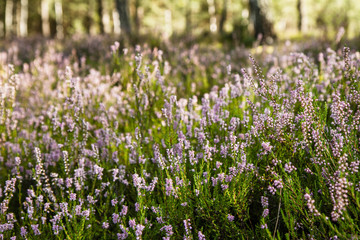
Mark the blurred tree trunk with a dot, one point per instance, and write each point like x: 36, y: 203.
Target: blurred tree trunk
x: 17, y: 17
x: 89, y: 18
x: 188, y: 18
x: 9, y: 18
x: 123, y: 10
x: 59, y: 19
x: 100, y: 14
x: 2, y: 19
x: 298, y: 7
x: 262, y: 26
x: 137, y: 17
x: 223, y: 17
x: 24, y: 13
x: 45, y: 17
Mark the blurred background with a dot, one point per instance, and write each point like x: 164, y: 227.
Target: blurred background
x: 243, y: 22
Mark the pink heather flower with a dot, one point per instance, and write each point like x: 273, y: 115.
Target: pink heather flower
x: 339, y: 196
x: 72, y: 196
x: 105, y: 225
x: 115, y: 218
x: 278, y: 184
x: 264, y: 201
x: 221, y: 177
x: 223, y: 151
x: 91, y: 199
x: 98, y: 171
x: 155, y: 209
x: 193, y: 160
x: 276, y: 161
x: 64, y: 208
x: 160, y: 220
x: 152, y: 185
x: 124, y: 210
x: 132, y: 223
x: 114, y: 202
x: 86, y: 213
x: 272, y: 190
x: 35, y: 229
x: 137, y: 207
x: 115, y: 47
x: 187, y: 226
x: 123, y: 235
x: 169, y: 186
x: 78, y: 210
x: 201, y: 236
x: 308, y: 170
x: 56, y: 229
x: 354, y: 167
x: 230, y: 217
x: 289, y: 167
x: 17, y: 161
x: 264, y: 226
x: 6, y: 227
x: 10, y: 217
x: 168, y: 229
x: 214, y: 181
x: 9, y: 187
x: 265, y: 213
x: 139, y: 230
x: 179, y: 182
x: 68, y: 182
x: 23, y: 232
x: 228, y: 69
x: 267, y: 147
x: 311, y: 204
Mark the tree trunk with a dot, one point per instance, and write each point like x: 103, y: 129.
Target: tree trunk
x: 136, y: 17
x: 188, y: 27
x: 100, y: 14
x: 262, y: 26
x: 17, y: 17
x: 24, y: 13
x: 9, y: 18
x: 59, y: 19
x: 223, y: 17
x: 89, y: 18
x: 122, y: 8
x: 2, y: 19
x: 298, y: 6
x: 45, y: 17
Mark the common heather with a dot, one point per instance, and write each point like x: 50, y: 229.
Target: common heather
x: 180, y: 144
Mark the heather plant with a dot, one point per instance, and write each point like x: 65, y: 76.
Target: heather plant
x: 142, y: 148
